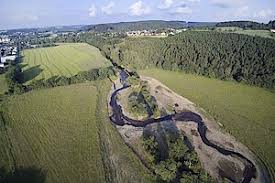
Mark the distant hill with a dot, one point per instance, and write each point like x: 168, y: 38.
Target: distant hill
x: 142, y: 25
x: 247, y: 24
x: 67, y: 28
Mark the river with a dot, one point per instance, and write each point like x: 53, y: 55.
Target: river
x: 120, y: 119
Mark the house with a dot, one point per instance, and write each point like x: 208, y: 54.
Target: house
x: 272, y: 30
x: 11, y: 58
x: 4, y: 40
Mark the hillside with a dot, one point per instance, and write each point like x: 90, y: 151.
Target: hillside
x: 248, y: 25
x: 63, y: 135
x: 226, y: 56
x: 145, y: 25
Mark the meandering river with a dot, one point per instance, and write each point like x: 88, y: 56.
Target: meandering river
x: 120, y: 119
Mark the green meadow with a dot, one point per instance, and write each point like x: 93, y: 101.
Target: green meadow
x: 62, y: 60
x: 238, y: 30
x: 246, y: 112
x: 63, y: 134
x: 3, y: 84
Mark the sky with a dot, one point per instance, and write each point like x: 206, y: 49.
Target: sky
x: 42, y: 13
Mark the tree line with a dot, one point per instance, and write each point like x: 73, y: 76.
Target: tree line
x: 248, y: 25
x: 227, y: 56
x: 16, y: 85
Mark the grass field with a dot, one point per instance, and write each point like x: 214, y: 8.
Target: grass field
x: 260, y: 33
x: 248, y: 113
x: 65, y: 133
x: 3, y: 84
x: 65, y: 59
x: 55, y: 130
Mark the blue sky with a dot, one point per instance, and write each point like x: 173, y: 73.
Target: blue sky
x: 40, y: 13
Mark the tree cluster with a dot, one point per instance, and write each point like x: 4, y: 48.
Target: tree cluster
x: 142, y: 102
x: 180, y: 162
x: 14, y: 79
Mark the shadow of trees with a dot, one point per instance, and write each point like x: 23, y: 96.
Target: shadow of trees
x: 29, y: 73
x: 23, y: 175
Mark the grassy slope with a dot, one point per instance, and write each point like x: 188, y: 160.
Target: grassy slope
x: 246, y: 112
x: 66, y: 132
x: 65, y: 59
x: 55, y: 130
x: 3, y: 84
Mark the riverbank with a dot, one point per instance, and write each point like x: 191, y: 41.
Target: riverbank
x: 222, y: 163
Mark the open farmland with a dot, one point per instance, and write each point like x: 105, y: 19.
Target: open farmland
x: 238, y: 30
x: 260, y: 33
x: 63, y: 134
x: 65, y: 59
x: 245, y: 112
x: 55, y: 131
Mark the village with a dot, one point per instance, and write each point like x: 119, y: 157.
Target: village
x: 8, y: 52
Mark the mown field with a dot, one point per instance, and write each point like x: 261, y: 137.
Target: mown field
x: 246, y: 112
x: 3, y: 84
x: 64, y: 134
x: 65, y: 59
x: 55, y: 130
x: 260, y: 33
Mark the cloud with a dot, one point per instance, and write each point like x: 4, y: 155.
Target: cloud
x: 183, y: 10
x: 92, y: 11
x: 31, y: 18
x: 139, y: 8
x: 225, y: 3
x: 108, y: 9
x: 242, y: 12
x: 166, y: 4
x: 265, y: 14
x: 194, y: 1
x: 25, y: 18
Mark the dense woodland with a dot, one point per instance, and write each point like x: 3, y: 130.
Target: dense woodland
x: 247, y: 25
x: 225, y: 56
x: 173, y: 159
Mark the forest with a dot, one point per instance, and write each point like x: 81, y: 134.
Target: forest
x: 248, y: 25
x: 242, y: 58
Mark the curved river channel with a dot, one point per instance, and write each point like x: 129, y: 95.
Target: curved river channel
x: 120, y: 119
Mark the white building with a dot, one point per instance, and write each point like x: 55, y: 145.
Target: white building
x: 4, y: 40
x: 272, y: 30
x: 4, y: 59
x: 2, y: 65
